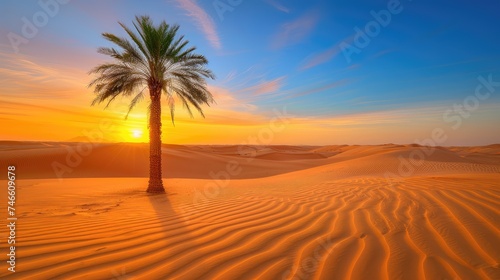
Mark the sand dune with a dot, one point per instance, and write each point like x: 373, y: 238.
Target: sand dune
x: 132, y: 160
x: 291, y: 213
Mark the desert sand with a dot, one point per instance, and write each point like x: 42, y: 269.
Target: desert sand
x: 276, y: 212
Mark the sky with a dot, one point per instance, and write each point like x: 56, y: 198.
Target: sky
x: 287, y: 72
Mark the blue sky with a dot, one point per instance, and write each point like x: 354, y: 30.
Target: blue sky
x: 272, y: 53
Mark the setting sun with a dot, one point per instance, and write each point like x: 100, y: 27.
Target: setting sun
x: 137, y: 133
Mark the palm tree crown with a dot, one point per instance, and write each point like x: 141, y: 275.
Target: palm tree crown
x: 156, y: 58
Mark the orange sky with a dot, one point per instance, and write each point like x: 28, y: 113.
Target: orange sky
x: 69, y: 116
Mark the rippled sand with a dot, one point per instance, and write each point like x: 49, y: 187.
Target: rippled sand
x: 279, y: 212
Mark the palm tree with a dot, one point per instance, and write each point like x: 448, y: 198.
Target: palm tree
x: 156, y: 58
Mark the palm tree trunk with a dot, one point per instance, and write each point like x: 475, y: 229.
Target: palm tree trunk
x: 155, y: 180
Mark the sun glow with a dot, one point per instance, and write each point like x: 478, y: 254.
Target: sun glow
x: 136, y: 133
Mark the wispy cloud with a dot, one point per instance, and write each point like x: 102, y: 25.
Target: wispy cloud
x: 21, y: 74
x: 323, y: 56
x: 27, y: 105
x: 278, y: 6
x: 230, y: 76
x: 320, y: 58
x: 265, y: 87
x: 382, y: 53
x: 319, y: 89
x: 242, y: 112
x: 422, y: 114
x: 204, y: 22
x: 295, y: 31
x: 226, y: 99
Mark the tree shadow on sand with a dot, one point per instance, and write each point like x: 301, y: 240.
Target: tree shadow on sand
x: 174, y: 236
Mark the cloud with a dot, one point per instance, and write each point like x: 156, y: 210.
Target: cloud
x: 266, y: 87
x: 295, y: 31
x: 28, y: 105
x: 226, y: 99
x: 319, y: 89
x: 278, y: 6
x: 320, y: 58
x: 324, y: 56
x: 417, y: 114
x: 242, y: 112
x: 203, y: 20
x: 21, y: 75
x: 230, y: 76
x: 381, y: 53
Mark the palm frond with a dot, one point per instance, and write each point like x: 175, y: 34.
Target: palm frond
x: 134, y: 101
x: 152, y: 56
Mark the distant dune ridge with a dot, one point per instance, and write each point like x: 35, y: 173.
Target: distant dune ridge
x: 254, y: 212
